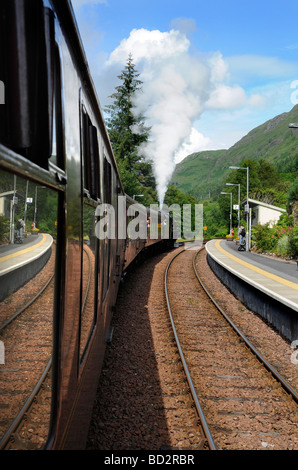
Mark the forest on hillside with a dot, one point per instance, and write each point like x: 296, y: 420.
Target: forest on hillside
x: 266, y: 184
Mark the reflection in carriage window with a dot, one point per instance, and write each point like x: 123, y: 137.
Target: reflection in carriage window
x: 91, y: 157
x: 107, y: 195
x: 57, y: 139
x: 90, y: 175
x: 28, y: 229
x: 89, y: 268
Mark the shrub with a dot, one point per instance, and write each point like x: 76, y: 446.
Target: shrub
x: 221, y: 233
x: 285, y: 221
x: 282, y: 248
x: 292, y: 194
x: 4, y: 228
x: 293, y: 242
x: 281, y: 239
x: 264, y: 237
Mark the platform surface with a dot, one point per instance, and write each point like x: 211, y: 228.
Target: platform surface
x: 277, y: 278
x: 14, y: 256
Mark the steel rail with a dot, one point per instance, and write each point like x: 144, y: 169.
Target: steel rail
x: 19, y: 417
x: 89, y: 280
x: 186, y: 370
x: 22, y: 310
x: 257, y: 353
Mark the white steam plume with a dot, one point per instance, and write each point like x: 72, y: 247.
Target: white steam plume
x: 170, y: 101
x: 175, y: 87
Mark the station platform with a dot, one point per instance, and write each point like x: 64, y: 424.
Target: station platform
x: 267, y: 286
x: 20, y: 262
x: 277, y: 278
x: 15, y: 256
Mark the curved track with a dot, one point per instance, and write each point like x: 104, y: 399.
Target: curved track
x: 188, y: 375
x: 26, y: 331
x: 229, y: 379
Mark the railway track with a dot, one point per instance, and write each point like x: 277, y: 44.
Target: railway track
x: 26, y: 331
x: 242, y: 401
x: 27, y: 336
x: 12, y: 316
x: 26, y: 383
x: 29, y: 428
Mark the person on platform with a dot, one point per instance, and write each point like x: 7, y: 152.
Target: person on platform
x: 241, y: 234
x: 20, y: 228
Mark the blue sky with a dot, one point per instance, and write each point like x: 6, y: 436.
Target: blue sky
x: 211, y: 71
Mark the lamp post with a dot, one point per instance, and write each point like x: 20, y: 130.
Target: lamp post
x: 247, y: 204
x: 231, y: 195
x: 237, y: 184
x: 13, y: 204
x: 35, y: 202
x: 137, y: 195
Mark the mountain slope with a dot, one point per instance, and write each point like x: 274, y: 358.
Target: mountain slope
x: 203, y: 173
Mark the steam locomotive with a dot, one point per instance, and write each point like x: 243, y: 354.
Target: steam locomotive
x: 53, y: 138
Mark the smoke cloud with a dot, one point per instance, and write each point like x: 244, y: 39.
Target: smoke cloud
x: 177, y: 87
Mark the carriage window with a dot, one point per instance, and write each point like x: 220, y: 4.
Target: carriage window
x: 90, y: 176
x: 89, y: 282
x: 107, y: 195
x: 107, y: 182
x: 28, y: 234
x: 57, y: 138
x: 91, y: 158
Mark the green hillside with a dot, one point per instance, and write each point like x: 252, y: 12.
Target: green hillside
x: 203, y: 174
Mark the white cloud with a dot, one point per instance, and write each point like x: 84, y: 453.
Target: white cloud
x: 224, y: 97
x: 249, y: 67
x: 229, y: 97
x: 185, y: 25
x: 148, y: 45
x: 257, y: 101
x: 194, y: 143
x: 219, y: 68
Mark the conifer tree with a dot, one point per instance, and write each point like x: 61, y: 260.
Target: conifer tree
x: 127, y: 132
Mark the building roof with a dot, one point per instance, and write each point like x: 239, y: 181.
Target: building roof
x: 254, y: 203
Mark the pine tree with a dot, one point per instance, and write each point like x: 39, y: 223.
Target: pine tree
x: 127, y: 132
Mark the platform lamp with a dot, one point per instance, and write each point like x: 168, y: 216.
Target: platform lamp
x: 35, y: 202
x: 237, y: 184
x: 230, y: 211
x: 247, y: 203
